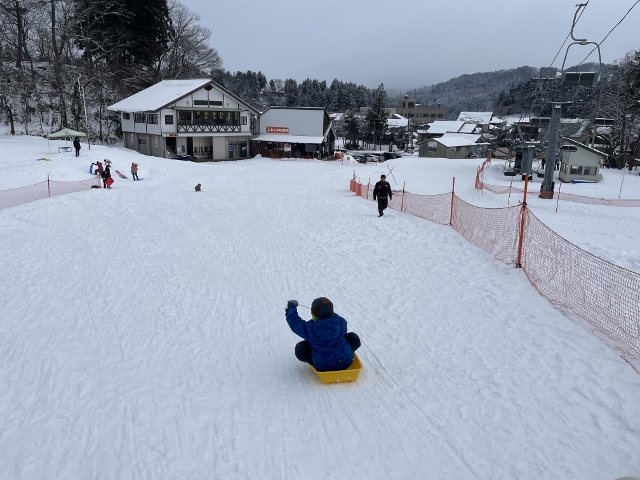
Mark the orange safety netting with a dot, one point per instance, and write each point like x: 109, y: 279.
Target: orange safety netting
x: 495, y: 230
x: 577, y: 283
x: 48, y: 188
x: 584, y: 286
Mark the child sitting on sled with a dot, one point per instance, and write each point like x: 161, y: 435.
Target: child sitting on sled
x: 326, y: 345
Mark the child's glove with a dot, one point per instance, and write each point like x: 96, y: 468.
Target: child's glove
x: 292, y: 303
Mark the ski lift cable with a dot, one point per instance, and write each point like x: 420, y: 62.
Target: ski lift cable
x: 584, y: 7
x: 610, y: 31
x: 576, y: 18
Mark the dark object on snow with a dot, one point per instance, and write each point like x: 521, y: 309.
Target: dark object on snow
x: 186, y: 158
x: 198, y: 187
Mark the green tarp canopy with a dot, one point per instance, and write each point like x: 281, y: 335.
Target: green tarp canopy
x: 66, y: 132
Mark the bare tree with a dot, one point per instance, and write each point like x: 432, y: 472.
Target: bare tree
x: 188, y: 53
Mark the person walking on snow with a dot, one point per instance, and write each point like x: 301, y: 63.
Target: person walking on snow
x: 76, y: 145
x: 326, y: 345
x: 382, y: 191
x: 134, y: 171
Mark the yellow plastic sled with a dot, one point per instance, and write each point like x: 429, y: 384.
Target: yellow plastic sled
x: 339, y: 376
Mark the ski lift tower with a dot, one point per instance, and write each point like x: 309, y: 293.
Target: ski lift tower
x: 569, y: 79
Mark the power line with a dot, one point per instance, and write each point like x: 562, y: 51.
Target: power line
x: 615, y: 26
x: 569, y: 34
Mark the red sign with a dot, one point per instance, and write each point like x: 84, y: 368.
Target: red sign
x: 172, y: 135
x: 277, y: 129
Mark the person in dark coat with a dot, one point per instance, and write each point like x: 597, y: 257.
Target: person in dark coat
x: 326, y: 345
x: 106, y: 174
x: 76, y: 145
x: 382, y: 191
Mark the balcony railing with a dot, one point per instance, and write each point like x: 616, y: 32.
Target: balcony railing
x: 186, y: 128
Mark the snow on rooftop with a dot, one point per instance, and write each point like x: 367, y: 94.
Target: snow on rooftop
x: 157, y: 96
x: 445, y: 126
x: 477, y: 117
x: 458, y: 139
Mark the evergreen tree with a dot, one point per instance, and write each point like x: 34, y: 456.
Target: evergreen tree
x: 291, y: 92
x: 376, y: 117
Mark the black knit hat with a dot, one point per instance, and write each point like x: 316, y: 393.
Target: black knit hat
x: 322, y: 308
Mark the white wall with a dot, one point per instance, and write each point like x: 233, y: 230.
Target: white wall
x: 299, y: 122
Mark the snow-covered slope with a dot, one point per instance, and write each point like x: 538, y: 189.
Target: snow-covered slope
x: 142, y: 334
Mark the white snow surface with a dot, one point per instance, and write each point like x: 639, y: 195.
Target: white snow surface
x: 142, y: 331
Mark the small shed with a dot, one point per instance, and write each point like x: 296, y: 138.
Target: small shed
x: 579, y: 162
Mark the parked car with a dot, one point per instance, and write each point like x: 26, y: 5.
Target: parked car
x: 186, y: 158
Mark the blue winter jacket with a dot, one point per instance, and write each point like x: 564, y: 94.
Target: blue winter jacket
x: 329, y: 349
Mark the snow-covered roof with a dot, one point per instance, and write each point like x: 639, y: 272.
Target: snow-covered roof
x: 159, y: 95
x: 275, y: 137
x: 458, y: 139
x: 476, y: 117
x: 164, y: 93
x: 468, y: 128
x: 445, y: 126
x: 397, y: 122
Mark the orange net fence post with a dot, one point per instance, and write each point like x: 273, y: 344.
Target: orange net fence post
x: 585, y: 287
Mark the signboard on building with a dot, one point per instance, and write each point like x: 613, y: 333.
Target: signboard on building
x: 287, y: 147
x: 171, y: 135
x: 278, y: 130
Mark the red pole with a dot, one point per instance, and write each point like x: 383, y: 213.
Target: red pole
x: 558, y: 200
x: 522, y: 220
x: 48, y: 185
x: 453, y: 194
x: 402, y: 201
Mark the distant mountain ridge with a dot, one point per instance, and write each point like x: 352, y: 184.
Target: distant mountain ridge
x: 472, y: 92
x: 478, y: 92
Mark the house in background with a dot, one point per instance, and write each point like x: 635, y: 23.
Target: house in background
x: 188, y: 117
x: 454, y: 145
x: 579, y: 162
x: 295, y: 132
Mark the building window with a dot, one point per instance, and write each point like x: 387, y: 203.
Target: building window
x: 441, y: 115
x: 432, y: 146
x: 139, y: 118
x: 184, y: 117
x: 168, y: 119
x: 152, y: 118
x: 126, y: 116
x: 458, y: 149
x: 142, y: 141
x: 208, y: 103
x: 575, y: 170
x: 589, y: 170
x: 244, y: 120
x: 410, y: 115
x: 433, y: 115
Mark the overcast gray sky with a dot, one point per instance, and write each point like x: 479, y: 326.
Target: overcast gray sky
x: 408, y: 43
